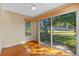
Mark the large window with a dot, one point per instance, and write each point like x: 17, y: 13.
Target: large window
x: 64, y: 31
x: 61, y: 33
x: 28, y: 29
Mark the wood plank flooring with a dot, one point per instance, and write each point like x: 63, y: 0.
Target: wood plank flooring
x: 17, y: 50
x: 32, y: 48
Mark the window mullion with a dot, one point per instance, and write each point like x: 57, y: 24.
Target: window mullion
x: 51, y: 33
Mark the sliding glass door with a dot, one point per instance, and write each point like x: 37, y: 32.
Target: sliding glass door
x: 64, y: 31
x: 45, y: 31
x: 59, y: 31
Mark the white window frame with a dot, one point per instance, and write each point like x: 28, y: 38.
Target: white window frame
x: 52, y: 17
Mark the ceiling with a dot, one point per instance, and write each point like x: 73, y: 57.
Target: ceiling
x: 26, y: 8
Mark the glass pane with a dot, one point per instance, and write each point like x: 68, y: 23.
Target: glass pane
x: 64, y: 32
x: 45, y: 31
x: 27, y: 29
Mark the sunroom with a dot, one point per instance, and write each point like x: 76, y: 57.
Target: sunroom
x: 39, y: 29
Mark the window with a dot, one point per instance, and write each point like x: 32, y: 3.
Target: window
x: 28, y: 29
x: 60, y: 31
x: 45, y: 26
x: 64, y: 31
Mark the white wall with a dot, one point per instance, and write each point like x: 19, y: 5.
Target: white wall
x: 0, y: 35
x: 34, y: 30
x: 12, y: 29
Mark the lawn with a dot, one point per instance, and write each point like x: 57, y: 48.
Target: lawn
x: 65, y: 37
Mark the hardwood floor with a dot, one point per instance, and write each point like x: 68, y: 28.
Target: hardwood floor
x: 18, y: 50
x: 32, y: 48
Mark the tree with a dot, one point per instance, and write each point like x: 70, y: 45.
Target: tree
x: 45, y: 25
x: 45, y: 28
x: 69, y: 18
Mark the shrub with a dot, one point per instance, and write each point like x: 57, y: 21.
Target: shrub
x: 72, y: 43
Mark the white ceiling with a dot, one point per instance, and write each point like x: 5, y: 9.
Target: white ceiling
x: 26, y: 8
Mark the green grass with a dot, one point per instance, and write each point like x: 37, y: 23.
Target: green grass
x: 68, y: 40
x: 64, y: 37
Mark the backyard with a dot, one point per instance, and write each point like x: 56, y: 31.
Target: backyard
x: 67, y: 38
x: 61, y: 30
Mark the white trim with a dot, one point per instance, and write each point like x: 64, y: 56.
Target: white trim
x: 51, y: 33
x: 22, y: 42
x: 77, y: 32
x: 38, y: 31
x: 12, y: 45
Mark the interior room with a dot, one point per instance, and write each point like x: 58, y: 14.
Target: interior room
x: 39, y: 29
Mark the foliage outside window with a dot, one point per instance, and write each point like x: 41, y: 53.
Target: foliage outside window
x: 28, y: 29
x: 45, y: 35
x: 63, y: 30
